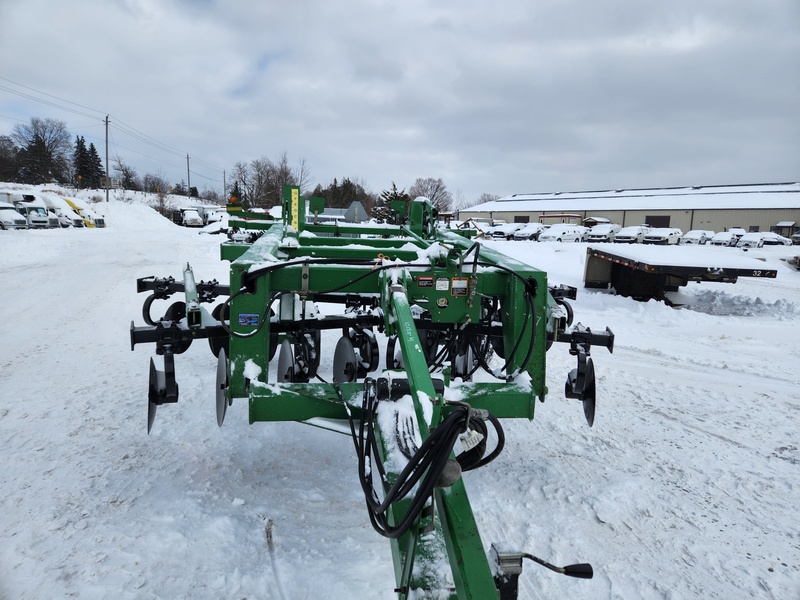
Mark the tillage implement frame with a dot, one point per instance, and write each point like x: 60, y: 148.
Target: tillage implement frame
x: 464, y: 329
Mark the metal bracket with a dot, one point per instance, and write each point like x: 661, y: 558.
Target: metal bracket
x: 507, y: 569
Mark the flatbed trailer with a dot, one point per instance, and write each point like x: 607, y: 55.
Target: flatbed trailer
x: 644, y: 273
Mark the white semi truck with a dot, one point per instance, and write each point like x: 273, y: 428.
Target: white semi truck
x: 10, y: 217
x: 57, y: 206
x: 32, y: 207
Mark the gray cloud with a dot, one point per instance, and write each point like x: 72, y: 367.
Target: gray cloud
x: 507, y: 98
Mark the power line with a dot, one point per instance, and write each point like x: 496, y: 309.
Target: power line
x: 50, y: 95
x: 118, y: 123
x: 116, y: 145
x: 47, y: 102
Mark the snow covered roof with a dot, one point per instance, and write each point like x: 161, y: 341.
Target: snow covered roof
x: 742, y: 196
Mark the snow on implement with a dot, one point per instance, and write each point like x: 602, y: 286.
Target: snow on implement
x: 462, y: 330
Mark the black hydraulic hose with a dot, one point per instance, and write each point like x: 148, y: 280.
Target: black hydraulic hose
x: 533, y: 336
x: 247, y: 278
x: 501, y: 442
x: 227, y: 310
x: 426, y: 465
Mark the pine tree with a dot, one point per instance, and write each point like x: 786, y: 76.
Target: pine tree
x: 236, y: 194
x: 383, y: 210
x: 179, y: 189
x: 38, y: 164
x: 96, y: 172
x: 342, y: 195
x: 80, y: 163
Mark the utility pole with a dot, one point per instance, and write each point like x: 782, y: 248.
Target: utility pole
x: 188, y: 177
x: 108, y: 173
x: 224, y: 187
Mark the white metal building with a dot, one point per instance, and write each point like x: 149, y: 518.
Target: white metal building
x: 753, y: 207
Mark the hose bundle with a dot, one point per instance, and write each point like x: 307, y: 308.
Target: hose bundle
x: 425, y: 468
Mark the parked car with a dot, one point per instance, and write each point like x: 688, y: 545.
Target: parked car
x: 796, y: 239
x: 10, y: 218
x: 191, y: 218
x: 604, y: 232
x: 697, y: 237
x: 663, y: 236
x: 562, y: 232
x: 773, y: 239
x: 751, y: 240
x: 631, y: 235
x: 531, y: 231
x: 727, y: 238
x: 216, y: 215
x: 505, y: 231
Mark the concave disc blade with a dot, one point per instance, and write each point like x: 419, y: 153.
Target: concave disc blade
x: 589, y: 393
x: 155, y: 385
x: 286, y: 363
x: 344, y: 361
x: 222, y: 386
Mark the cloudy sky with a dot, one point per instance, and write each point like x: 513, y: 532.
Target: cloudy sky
x: 492, y: 97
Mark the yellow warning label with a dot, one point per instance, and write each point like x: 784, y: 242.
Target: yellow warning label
x: 295, y: 208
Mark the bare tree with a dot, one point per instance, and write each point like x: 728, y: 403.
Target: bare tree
x: 434, y: 190
x: 130, y: 179
x: 262, y: 180
x: 260, y: 174
x: 484, y: 197
x: 280, y: 174
x: 459, y: 199
x: 46, y: 146
x: 211, y: 195
x: 241, y: 175
x: 303, y: 173
x: 155, y: 182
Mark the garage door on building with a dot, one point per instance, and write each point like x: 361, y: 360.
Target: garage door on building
x: 657, y: 220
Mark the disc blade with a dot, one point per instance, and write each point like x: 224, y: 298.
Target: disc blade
x: 394, y: 357
x: 152, y: 394
x: 344, y: 361
x: 151, y: 415
x: 371, y: 350
x: 589, y: 393
x: 286, y: 363
x: 222, y: 386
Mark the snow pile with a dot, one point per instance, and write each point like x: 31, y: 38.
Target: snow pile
x: 720, y: 303
x: 686, y: 487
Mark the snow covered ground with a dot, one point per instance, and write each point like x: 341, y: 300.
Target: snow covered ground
x: 686, y: 487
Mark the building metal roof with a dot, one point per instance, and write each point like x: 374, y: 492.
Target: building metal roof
x: 739, y: 196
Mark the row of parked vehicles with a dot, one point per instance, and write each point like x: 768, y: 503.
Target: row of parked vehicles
x: 636, y: 234
x: 45, y: 210
x: 197, y: 216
